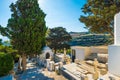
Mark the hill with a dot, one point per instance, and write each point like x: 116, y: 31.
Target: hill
x: 88, y: 39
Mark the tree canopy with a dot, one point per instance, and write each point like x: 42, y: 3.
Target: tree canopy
x: 26, y: 28
x: 99, y: 15
x: 58, y: 38
x: 3, y: 31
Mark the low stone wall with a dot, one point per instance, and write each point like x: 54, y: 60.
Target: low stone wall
x: 101, y: 57
x: 99, y: 49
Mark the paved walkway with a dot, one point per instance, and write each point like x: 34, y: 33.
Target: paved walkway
x: 34, y: 72
x: 53, y: 75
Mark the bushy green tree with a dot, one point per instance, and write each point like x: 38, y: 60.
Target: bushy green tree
x: 58, y: 38
x: 26, y: 28
x: 10, y: 50
x: 99, y: 15
x: 6, y: 63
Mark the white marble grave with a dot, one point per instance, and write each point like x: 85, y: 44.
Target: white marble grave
x: 114, y: 50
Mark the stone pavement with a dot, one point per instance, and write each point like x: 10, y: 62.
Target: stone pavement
x: 34, y: 72
x: 53, y: 75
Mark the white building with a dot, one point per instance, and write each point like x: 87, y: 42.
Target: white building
x: 80, y: 53
x: 46, y: 55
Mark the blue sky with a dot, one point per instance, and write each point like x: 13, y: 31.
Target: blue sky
x: 63, y: 13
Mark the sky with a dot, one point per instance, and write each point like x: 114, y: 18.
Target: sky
x: 64, y: 13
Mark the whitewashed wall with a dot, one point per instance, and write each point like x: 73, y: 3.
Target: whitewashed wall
x: 81, y: 52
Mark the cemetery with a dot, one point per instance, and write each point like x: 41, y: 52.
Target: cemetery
x: 83, y: 67
x: 34, y: 51
x: 83, y: 63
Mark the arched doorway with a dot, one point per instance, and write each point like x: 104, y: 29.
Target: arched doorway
x: 47, y: 55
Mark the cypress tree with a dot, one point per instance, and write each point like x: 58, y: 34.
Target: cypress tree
x: 26, y: 27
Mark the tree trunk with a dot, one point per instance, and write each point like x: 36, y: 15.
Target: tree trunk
x: 23, y: 62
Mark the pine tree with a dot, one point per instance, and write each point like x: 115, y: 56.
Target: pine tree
x: 99, y: 15
x: 26, y: 27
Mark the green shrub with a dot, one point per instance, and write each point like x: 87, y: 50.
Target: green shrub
x: 68, y: 51
x: 6, y: 63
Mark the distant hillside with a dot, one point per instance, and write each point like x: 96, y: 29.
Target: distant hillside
x: 87, y: 39
x: 77, y: 34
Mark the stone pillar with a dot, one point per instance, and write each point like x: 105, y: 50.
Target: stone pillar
x: 114, y: 50
x: 64, y: 52
x: 117, y: 29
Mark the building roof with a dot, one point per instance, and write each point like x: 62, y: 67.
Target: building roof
x: 46, y: 48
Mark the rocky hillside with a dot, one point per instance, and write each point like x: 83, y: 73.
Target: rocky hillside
x: 88, y: 39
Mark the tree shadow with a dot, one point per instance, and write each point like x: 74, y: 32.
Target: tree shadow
x: 33, y: 73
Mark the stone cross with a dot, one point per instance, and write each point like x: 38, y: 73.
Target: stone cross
x: 117, y: 29
x: 95, y: 75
